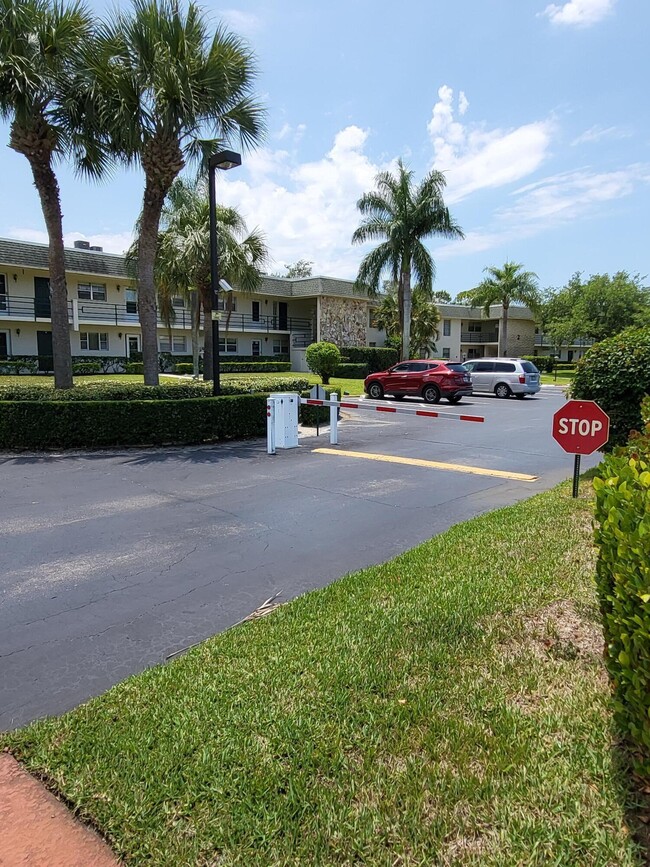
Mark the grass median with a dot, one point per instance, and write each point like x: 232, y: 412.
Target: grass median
x: 447, y: 707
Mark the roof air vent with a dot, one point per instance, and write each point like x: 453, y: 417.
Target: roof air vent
x: 97, y: 249
x: 82, y: 245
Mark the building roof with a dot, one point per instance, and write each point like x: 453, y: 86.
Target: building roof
x: 26, y: 254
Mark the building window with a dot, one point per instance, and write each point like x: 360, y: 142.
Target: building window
x: 372, y: 344
x: 91, y: 292
x: 3, y: 292
x: 178, y: 344
x: 179, y: 302
x: 221, y: 303
x: 372, y: 317
x: 131, y: 299
x: 446, y: 352
x: 280, y: 347
x: 228, y: 344
x: 446, y: 327
x: 475, y: 327
x: 93, y: 340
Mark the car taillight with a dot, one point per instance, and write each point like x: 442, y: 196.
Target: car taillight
x: 522, y: 379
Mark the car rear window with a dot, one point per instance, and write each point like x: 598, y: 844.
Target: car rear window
x: 529, y: 367
x: 457, y: 368
x: 504, y: 367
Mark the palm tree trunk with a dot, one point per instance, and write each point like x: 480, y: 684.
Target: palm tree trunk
x: 32, y: 146
x: 405, y: 283
x: 154, y: 198
x: 195, y: 313
x: 503, y: 336
x: 206, y: 300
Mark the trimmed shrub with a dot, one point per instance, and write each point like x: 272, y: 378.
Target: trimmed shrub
x: 86, y: 368
x: 309, y: 415
x: 616, y: 374
x: 376, y: 358
x: 18, y: 366
x: 352, y: 371
x: 184, y: 368
x: 98, y: 424
x: 323, y: 358
x: 256, y: 367
x: 138, y: 391
x: 623, y: 582
x: 134, y: 367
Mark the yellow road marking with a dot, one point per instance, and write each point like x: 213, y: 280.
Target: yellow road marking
x: 432, y: 465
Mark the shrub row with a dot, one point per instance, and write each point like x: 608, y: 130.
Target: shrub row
x: 544, y: 363
x: 623, y: 582
x: 129, y: 391
x: 86, y: 368
x: 376, y: 358
x: 242, y: 367
x: 616, y: 374
x: 351, y: 371
x: 309, y: 415
x: 97, y: 424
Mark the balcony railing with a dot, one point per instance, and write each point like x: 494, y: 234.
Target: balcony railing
x: 479, y: 337
x: 103, y: 313
x: 545, y: 340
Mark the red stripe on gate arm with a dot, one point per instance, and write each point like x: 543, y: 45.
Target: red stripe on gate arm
x: 350, y: 405
x: 315, y: 402
x: 470, y: 418
x: 385, y: 409
x: 428, y: 414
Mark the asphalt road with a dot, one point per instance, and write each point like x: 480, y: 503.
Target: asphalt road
x: 111, y: 561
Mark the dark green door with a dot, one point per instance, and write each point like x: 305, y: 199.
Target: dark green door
x: 282, y: 315
x: 44, y: 347
x: 42, y: 307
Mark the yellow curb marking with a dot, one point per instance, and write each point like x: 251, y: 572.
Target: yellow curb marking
x: 433, y: 465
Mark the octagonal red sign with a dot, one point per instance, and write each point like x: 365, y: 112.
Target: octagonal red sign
x: 581, y: 427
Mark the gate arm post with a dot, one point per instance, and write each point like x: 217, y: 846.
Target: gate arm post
x: 334, y: 419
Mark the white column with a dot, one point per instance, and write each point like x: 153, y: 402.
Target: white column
x: 75, y: 314
x: 334, y: 419
x: 270, y: 426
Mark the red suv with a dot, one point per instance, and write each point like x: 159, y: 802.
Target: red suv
x: 430, y: 380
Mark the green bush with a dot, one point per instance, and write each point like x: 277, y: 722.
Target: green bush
x: 183, y: 367
x: 98, y: 424
x: 256, y: 367
x: 352, y: 371
x: 623, y: 582
x: 616, y: 374
x: 544, y: 363
x: 309, y: 415
x: 323, y: 358
x: 86, y: 368
x: 18, y: 366
x: 376, y: 358
x: 178, y: 390
x: 134, y: 367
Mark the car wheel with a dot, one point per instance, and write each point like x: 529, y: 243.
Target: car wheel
x: 431, y: 394
x: 375, y: 391
x: 520, y: 396
x: 502, y: 390
x: 456, y: 399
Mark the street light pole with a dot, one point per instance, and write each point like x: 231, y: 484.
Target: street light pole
x: 224, y: 160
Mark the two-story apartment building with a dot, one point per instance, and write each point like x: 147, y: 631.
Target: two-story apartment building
x: 283, y: 317
x: 466, y: 332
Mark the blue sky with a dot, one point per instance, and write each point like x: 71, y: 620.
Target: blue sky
x: 537, y: 114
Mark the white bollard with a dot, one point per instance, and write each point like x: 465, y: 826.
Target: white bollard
x: 334, y: 419
x: 270, y: 426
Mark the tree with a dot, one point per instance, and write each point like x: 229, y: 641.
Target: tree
x: 504, y: 286
x: 301, y: 268
x: 402, y: 216
x: 40, y: 44
x: 166, y: 83
x: 425, y: 319
x: 323, y: 358
x: 596, y: 308
x: 441, y: 297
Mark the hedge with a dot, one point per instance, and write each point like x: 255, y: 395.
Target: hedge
x: 98, y: 424
x: 623, y: 582
x: 376, y: 358
x: 544, y: 363
x: 351, y: 371
x: 616, y: 374
x: 309, y: 415
x: 243, y: 367
x: 134, y: 367
x: 17, y: 366
x: 86, y: 368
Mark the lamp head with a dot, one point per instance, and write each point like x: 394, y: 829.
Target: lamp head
x: 225, y: 160
x: 225, y: 286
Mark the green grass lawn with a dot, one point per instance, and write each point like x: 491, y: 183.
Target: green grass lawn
x: 561, y: 378
x: 446, y: 708
x: 48, y: 381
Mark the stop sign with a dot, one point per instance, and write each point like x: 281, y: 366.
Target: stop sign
x: 581, y: 427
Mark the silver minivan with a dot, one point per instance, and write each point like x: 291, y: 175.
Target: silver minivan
x: 504, y: 376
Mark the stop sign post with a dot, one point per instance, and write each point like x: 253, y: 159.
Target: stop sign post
x: 580, y: 427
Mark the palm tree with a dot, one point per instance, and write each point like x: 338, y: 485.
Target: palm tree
x: 183, y: 261
x: 40, y: 43
x: 166, y: 83
x: 403, y: 215
x: 425, y: 318
x: 504, y: 286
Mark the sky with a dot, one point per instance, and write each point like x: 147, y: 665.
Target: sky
x: 536, y: 113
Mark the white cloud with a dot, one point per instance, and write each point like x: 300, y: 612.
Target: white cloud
x: 242, y: 23
x: 111, y: 242
x: 580, y: 13
x: 597, y: 133
x: 290, y: 132
x: 475, y: 158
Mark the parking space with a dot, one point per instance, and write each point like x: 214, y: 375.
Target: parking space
x: 110, y: 562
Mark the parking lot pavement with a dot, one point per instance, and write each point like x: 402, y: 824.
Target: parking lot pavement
x: 111, y: 561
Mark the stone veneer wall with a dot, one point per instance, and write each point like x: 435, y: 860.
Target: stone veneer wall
x: 343, y: 321
x: 525, y: 345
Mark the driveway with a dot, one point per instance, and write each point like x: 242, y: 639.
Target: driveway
x: 111, y: 561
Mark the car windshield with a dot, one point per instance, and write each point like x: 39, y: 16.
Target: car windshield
x: 529, y: 367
